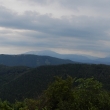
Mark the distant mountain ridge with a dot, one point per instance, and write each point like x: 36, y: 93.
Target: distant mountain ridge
x: 73, y: 57
x: 39, y: 58
x: 31, y: 60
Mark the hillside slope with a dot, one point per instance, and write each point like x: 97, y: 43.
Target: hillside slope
x: 32, y: 83
x: 31, y: 60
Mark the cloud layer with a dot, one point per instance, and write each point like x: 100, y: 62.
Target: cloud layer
x: 60, y: 25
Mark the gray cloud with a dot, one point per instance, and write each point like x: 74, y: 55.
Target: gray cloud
x: 75, y: 32
x: 76, y: 26
x: 99, y: 4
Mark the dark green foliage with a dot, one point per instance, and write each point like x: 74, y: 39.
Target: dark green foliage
x: 4, y: 105
x: 66, y: 94
x: 31, y: 104
x: 18, y: 83
x: 60, y: 94
x: 90, y: 95
x: 87, y: 95
x: 20, y: 106
x: 27, y: 104
x: 8, y: 75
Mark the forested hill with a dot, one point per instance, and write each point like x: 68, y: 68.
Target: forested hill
x: 17, y: 83
x: 31, y: 60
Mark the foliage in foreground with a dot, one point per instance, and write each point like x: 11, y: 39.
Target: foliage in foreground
x: 66, y: 94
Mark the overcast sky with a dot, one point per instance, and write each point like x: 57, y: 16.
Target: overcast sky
x: 64, y: 26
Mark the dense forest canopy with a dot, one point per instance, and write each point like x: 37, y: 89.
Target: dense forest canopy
x: 66, y: 94
x: 17, y: 83
x: 22, y: 86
